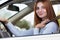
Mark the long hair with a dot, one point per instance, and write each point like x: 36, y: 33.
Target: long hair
x: 49, y: 9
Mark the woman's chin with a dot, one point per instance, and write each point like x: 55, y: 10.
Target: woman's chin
x: 41, y: 16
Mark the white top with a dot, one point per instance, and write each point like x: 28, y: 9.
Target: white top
x: 51, y: 27
x: 48, y: 29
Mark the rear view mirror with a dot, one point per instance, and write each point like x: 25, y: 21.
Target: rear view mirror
x: 13, y: 8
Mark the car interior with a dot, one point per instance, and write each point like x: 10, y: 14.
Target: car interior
x: 18, y: 11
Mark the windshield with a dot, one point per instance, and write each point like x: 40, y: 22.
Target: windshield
x: 2, y: 1
x: 4, y: 12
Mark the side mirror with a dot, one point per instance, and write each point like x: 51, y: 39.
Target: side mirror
x: 13, y: 8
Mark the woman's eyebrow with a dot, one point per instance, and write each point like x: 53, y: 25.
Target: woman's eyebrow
x: 37, y: 7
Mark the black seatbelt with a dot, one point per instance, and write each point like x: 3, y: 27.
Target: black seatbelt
x: 46, y: 24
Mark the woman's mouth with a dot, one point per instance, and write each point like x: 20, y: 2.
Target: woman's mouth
x: 40, y: 13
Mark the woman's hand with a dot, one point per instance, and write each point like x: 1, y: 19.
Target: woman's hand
x: 4, y: 20
x: 42, y: 24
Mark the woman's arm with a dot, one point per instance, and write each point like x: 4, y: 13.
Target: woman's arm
x: 17, y: 32
x: 36, y: 31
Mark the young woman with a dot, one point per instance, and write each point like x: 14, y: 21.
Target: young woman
x: 43, y: 14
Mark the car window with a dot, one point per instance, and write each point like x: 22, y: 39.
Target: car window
x: 4, y: 12
x: 56, y: 8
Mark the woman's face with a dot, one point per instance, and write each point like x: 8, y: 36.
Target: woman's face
x: 41, y: 10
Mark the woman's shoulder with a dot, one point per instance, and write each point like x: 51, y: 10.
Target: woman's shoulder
x: 52, y: 24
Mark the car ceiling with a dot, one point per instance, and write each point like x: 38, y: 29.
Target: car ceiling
x: 27, y: 2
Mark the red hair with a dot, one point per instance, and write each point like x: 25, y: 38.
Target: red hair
x: 49, y: 8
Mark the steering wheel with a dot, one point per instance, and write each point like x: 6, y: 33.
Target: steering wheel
x: 5, y: 34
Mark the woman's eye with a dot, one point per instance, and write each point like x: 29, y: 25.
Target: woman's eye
x: 43, y: 7
x: 37, y: 8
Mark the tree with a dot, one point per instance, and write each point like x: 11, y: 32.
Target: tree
x: 23, y: 24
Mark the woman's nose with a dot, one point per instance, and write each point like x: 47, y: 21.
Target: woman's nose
x: 40, y: 10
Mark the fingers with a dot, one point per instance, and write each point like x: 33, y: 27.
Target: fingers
x: 45, y: 21
x: 42, y: 24
x: 3, y: 20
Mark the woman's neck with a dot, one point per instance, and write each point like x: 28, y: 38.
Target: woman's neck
x: 44, y: 18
